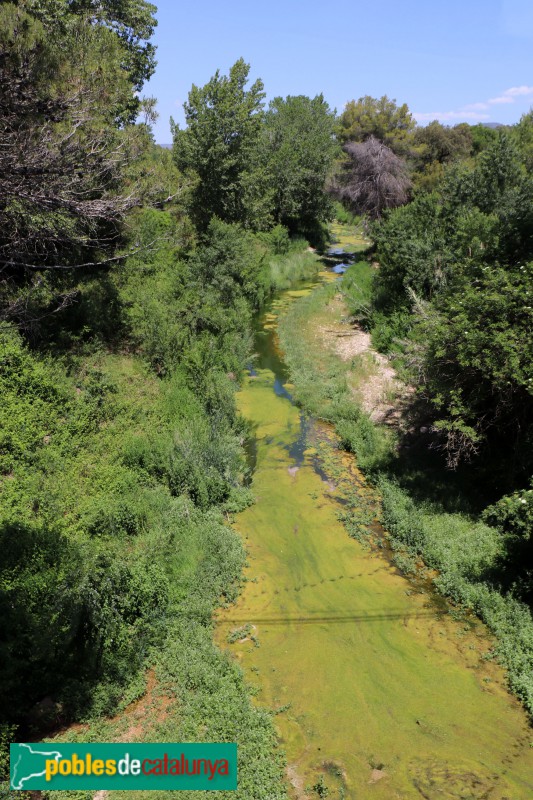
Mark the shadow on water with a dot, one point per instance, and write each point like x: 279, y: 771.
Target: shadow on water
x: 384, y: 616
x: 280, y: 390
x: 297, y: 448
x: 267, y: 354
x: 250, y: 452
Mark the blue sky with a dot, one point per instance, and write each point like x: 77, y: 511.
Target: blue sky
x: 457, y: 61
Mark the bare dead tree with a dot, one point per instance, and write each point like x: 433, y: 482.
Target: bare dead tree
x: 372, y: 179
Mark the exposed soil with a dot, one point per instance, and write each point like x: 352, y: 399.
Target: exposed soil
x: 381, y: 395
x: 140, y: 716
x: 296, y: 782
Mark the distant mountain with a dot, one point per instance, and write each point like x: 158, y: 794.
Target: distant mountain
x: 485, y: 125
x: 169, y: 146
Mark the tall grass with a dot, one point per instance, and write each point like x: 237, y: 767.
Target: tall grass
x: 356, y: 289
x: 344, y: 216
x: 320, y: 379
x: 298, y: 265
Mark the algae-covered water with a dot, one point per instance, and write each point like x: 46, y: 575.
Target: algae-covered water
x: 379, y: 693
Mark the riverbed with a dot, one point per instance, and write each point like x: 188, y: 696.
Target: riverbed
x: 378, y: 691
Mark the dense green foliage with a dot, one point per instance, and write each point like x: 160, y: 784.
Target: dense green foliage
x: 127, y: 457
x: 435, y: 146
x: 113, y: 485
x: 131, y: 22
x: 455, y: 276
x: 64, y: 153
x: 381, y: 118
x: 299, y: 150
x: 127, y: 294
x: 443, y: 144
x: 219, y: 150
x: 93, y: 541
x: 254, y: 167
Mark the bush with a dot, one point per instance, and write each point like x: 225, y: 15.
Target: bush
x: 513, y: 514
x: 467, y: 556
x: 369, y: 443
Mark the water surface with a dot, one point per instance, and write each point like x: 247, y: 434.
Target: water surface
x: 377, y: 689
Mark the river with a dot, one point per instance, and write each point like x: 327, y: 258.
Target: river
x: 379, y: 693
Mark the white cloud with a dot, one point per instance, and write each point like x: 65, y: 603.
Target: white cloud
x: 519, y: 91
x: 445, y: 116
x: 494, y: 101
x: 471, y: 111
x: 511, y: 94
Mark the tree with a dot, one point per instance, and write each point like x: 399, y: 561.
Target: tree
x: 372, y: 179
x: 482, y: 137
x: 477, y: 367
x: 478, y: 216
x: 524, y: 136
x: 300, y: 149
x: 53, y: 159
x: 219, y: 149
x: 442, y: 143
x: 62, y: 155
x: 460, y: 257
x: 413, y: 254
x: 435, y: 146
x: 381, y: 118
x: 131, y: 22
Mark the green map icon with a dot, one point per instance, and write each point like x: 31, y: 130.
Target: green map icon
x: 28, y: 762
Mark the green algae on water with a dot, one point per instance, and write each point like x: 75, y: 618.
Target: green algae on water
x: 379, y: 693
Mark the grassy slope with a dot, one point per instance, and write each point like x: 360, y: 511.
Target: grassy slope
x: 89, y: 443
x: 79, y: 467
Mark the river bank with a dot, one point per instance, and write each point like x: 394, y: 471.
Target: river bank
x: 377, y: 692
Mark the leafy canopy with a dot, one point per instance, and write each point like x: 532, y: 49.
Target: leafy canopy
x: 459, y: 259
x: 66, y: 95
x: 381, y: 118
x: 132, y: 23
x: 300, y: 150
x: 219, y: 148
